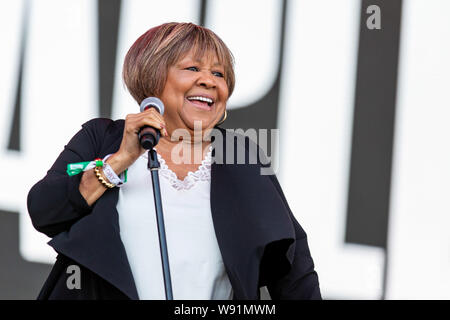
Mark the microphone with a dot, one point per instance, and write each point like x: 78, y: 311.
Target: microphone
x: 149, y: 136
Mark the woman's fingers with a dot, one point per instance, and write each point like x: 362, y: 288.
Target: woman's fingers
x: 155, y: 124
x: 152, y: 113
x: 130, y: 149
x: 134, y: 122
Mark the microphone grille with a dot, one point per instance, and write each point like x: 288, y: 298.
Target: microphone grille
x: 152, y: 102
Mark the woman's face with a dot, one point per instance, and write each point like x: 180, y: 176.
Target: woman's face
x: 195, y: 90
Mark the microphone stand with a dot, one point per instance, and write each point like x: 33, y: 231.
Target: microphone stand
x: 153, y: 165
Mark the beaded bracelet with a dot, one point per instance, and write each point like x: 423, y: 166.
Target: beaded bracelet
x: 102, y: 180
x: 108, y: 172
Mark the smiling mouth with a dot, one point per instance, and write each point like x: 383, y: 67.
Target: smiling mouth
x: 200, y: 102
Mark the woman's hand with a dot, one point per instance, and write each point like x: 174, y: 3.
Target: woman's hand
x: 130, y: 148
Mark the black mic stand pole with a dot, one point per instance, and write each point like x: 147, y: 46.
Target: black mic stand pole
x: 153, y: 165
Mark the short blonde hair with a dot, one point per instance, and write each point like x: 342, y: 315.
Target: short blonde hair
x: 149, y: 58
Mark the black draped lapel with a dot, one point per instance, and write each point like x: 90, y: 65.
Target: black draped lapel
x: 249, y: 218
x: 94, y: 242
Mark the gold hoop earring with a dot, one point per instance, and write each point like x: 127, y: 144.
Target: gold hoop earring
x: 223, y: 118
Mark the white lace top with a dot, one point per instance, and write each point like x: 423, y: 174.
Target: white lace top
x: 196, y: 265
x: 203, y: 173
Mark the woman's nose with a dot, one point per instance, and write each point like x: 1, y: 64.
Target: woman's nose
x: 206, y: 79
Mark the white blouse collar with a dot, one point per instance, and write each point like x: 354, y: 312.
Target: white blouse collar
x: 203, y: 173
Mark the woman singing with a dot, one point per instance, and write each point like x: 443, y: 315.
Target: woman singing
x: 229, y: 228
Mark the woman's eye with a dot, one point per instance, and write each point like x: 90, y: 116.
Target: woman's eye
x: 218, y: 74
x: 192, y: 68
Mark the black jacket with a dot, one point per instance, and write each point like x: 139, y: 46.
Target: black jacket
x: 261, y: 242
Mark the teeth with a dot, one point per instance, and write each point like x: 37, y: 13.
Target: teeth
x: 208, y: 100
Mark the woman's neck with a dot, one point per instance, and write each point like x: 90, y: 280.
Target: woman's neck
x: 183, y: 151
